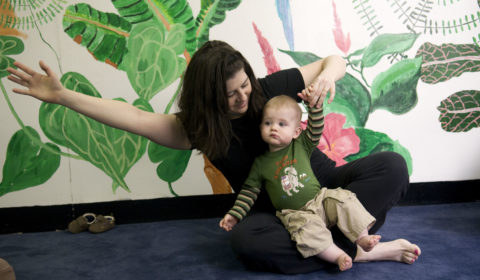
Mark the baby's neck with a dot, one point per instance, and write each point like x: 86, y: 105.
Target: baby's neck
x: 272, y: 149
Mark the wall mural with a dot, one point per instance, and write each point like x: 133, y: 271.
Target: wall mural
x: 153, y: 41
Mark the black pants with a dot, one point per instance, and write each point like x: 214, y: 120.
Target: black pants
x: 379, y: 180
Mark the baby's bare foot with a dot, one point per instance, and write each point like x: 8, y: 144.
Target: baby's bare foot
x: 368, y: 242
x: 344, y: 262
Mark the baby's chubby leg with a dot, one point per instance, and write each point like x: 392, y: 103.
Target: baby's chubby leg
x: 336, y: 255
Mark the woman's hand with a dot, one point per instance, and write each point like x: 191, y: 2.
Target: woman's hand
x: 317, y: 91
x: 320, y: 77
x: 46, y: 88
x: 228, y: 222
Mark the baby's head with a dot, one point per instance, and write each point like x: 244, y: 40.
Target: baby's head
x: 284, y: 101
x: 280, y: 122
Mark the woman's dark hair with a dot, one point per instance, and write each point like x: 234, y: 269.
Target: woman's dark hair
x: 203, y: 100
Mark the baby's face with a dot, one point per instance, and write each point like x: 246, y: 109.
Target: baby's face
x: 279, y: 127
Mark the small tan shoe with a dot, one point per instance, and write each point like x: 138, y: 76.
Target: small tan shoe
x: 102, y: 224
x: 82, y: 223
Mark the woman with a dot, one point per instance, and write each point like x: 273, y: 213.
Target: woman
x: 220, y: 109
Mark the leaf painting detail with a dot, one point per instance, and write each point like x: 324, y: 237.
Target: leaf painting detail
x: 112, y: 150
x: 26, y: 163
x: 104, y: 34
x: 396, y: 89
x: 366, y: 13
x: 386, y: 44
x: 153, y: 61
x: 8, y: 46
x: 441, y: 63
x: 351, y: 99
x: 172, y: 162
x: 267, y: 50
x: 29, y: 13
x: 301, y: 58
x: 161, y: 12
x: 460, y: 112
x: 343, y: 42
x: 373, y: 142
x: 285, y: 14
x: 212, y: 12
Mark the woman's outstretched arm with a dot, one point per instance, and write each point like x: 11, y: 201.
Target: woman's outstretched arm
x: 322, y: 75
x: 161, y: 128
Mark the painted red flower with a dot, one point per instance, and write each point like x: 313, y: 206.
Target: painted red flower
x: 337, y: 142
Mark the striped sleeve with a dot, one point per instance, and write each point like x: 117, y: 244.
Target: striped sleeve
x: 245, y: 200
x: 315, y: 124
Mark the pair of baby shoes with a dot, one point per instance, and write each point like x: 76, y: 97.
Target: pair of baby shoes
x: 94, y: 223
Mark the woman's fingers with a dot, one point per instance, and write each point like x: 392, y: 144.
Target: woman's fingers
x: 24, y: 68
x: 18, y: 74
x: 47, y: 69
x: 17, y: 80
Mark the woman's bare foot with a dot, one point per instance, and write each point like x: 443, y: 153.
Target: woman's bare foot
x: 399, y: 250
x: 367, y: 242
x: 344, y: 262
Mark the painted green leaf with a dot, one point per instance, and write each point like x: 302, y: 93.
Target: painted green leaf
x: 112, y: 150
x: 104, y: 34
x: 301, y: 58
x: 460, y: 112
x: 161, y: 12
x: 134, y: 11
x: 395, y: 90
x: 386, y: 44
x: 373, y: 142
x: 351, y: 99
x: 172, y: 163
x: 8, y: 46
x: 212, y: 12
x: 441, y: 63
x: 26, y: 163
x: 153, y: 61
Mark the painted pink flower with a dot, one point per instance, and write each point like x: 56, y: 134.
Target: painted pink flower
x: 268, y: 57
x: 342, y: 41
x: 337, y: 142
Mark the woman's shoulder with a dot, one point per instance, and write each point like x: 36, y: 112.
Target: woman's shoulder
x: 288, y: 82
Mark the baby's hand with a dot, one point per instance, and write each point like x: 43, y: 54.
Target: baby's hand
x: 317, y: 91
x: 228, y: 222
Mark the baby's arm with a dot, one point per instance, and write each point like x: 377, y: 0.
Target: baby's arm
x: 315, y: 120
x: 245, y: 200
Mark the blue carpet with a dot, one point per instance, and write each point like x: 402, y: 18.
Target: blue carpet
x: 448, y: 234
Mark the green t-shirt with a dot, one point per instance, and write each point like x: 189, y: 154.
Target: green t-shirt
x: 286, y: 174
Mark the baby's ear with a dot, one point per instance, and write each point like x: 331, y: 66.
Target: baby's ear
x: 298, y: 131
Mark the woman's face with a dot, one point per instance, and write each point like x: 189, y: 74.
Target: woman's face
x: 239, y: 89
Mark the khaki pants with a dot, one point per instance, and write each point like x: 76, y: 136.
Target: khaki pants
x: 309, y: 225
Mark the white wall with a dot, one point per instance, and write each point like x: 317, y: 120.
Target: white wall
x: 437, y: 155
